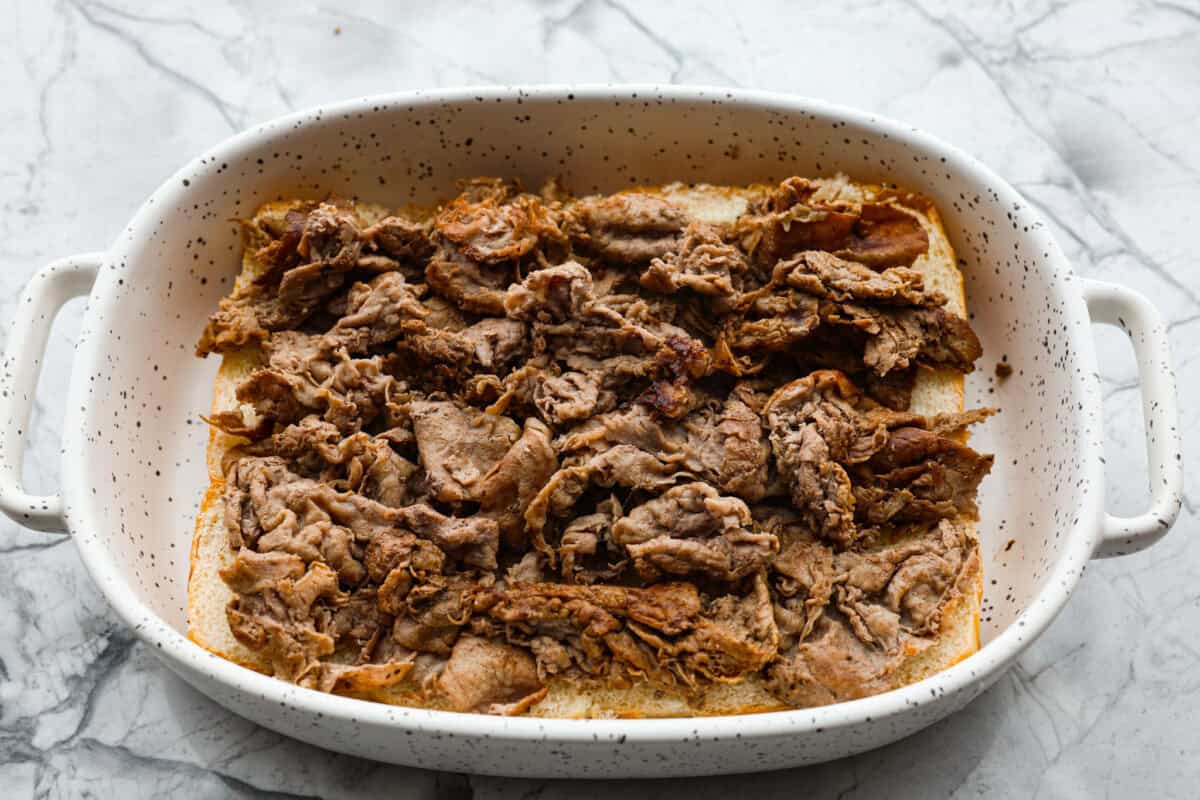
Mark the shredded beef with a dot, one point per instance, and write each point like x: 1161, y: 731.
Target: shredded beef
x: 628, y: 228
x: 703, y: 263
x: 532, y: 438
x: 797, y: 217
x: 693, y: 529
x: 896, y: 320
x: 852, y: 465
x: 459, y: 447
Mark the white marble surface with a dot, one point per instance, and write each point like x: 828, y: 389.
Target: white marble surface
x: 1091, y: 110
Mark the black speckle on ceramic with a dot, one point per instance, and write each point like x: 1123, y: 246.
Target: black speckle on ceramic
x: 135, y: 445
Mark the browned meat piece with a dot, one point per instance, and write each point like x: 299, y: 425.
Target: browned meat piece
x: 570, y: 397
x: 311, y: 257
x: 251, y: 572
x: 266, y: 507
x: 920, y: 475
x: 401, y: 239
x: 473, y: 287
x: 283, y: 613
x: 848, y: 460
x: 330, y: 241
x: 301, y: 378
x: 359, y: 624
x: 885, y: 236
x: 620, y: 465
x: 584, y: 543
x: 449, y: 358
x: 693, y: 529
x: 803, y: 575
x: 495, y: 344
x: 473, y: 540
x: 376, y: 313
x: 492, y: 229
x: 627, y: 228
x: 731, y: 447
x: 703, y: 263
x: 459, y: 447
x: 898, y: 321
x: 896, y: 340
x: 735, y: 637
x: 363, y: 680
x: 506, y: 491
x: 235, y: 323
x: 797, y: 217
x: 357, y: 463
x: 551, y: 294
x: 886, y: 604
x: 433, y: 615
x: 586, y: 616
x: 830, y: 666
x: 815, y: 429
x: 391, y: 550
x: 723, y: 442
x: 490, y: 677
x: 272, y: 508
x: 732, y: 637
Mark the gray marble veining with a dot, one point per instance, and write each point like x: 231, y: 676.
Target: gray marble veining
x: 1090, y: 109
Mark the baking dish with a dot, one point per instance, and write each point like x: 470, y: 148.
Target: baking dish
x: 133, y: 446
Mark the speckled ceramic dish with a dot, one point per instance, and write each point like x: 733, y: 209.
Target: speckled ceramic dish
x: 133, y: 445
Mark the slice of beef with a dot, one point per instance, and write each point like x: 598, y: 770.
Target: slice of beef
x: 723, y: 442
x: 267, y: 507
x: 563, y: 610
x: 459, y: 446
x: 620, y: 465
x: 402, y: 239
x: 434, y: 614
x: 363, y: 680
x: 570, y: 397
x: 891, y: 320
x: 886, y: 606
x: 703, y: 264
x: 358, y: 463
x: 472, y: 286
x: 730, y: 446
x: 450, y: 358
x: 310, y: 259
x: 803, y: 576
x: 692, y: 529
x: 303, y: 377
x: 376, y: 313
x: 551, y: 294
x: 799, y: 216
x: 627, y: 228
x: 496, y: 229
x: 586, y: 550
x: 271, y: 507
x: 508, y: 488
x: 850, y: 463
x: 733, y: 637
x: 919, y: 475
x: 283, y: 612
x: 490, y: 677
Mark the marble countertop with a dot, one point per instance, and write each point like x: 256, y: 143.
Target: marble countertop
x: 1091, y: 110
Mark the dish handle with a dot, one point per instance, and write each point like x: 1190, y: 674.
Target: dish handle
x: 39, y: 304
x: 1128, y: 310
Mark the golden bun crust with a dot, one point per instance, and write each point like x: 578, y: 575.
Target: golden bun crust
x: 936, y: 391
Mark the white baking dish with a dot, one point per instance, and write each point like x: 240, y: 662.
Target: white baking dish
x: 133, y: 445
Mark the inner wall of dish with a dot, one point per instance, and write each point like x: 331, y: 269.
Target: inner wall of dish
x: 147, y: 396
